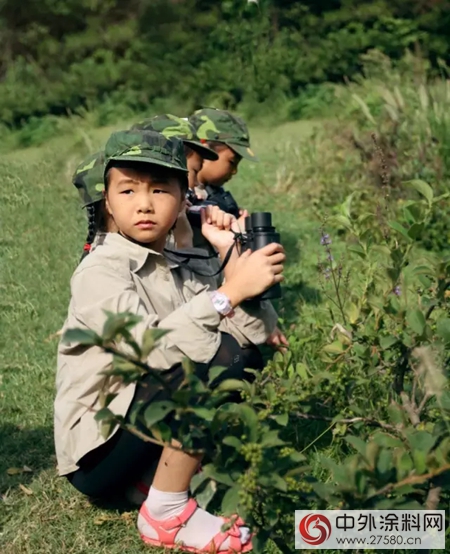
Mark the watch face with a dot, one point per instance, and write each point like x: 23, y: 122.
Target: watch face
x: 221, y: 303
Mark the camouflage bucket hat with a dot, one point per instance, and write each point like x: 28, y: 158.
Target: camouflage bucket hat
x: 88, y: 179
x: 222, y: 126
x: 145, y: 147
x: 172, y: 126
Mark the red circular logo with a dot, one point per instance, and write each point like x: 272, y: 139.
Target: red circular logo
x: 315, y: 529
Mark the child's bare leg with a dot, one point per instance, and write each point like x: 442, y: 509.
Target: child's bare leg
x: 175, y: 470
x: 168, y: 497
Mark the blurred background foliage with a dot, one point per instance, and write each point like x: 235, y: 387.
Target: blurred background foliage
x: 61, y: 57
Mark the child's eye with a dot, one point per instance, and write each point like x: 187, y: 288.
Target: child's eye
x: 128, y: 191
x: 160, y: 191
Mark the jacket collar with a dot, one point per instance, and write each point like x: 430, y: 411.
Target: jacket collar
x: 137, y: 254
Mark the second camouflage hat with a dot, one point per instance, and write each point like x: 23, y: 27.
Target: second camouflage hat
x: 172, y: 126
x: 88, y: 179
x: 145, y: 147
x: 222, y: 126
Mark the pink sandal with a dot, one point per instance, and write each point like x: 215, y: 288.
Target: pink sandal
x: 168, y: 529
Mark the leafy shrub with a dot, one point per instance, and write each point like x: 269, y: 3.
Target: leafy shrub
x: 365, y: 376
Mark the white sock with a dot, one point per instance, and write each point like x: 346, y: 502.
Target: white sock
x: 199, y: 531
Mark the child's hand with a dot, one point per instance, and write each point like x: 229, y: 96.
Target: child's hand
x: 254, y: 273
x: 216, y: 227
x: 277, y: 340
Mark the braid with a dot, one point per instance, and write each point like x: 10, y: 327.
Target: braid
x: 93, y: 217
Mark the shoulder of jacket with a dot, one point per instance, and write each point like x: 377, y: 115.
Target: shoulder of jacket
x: 104, y: 258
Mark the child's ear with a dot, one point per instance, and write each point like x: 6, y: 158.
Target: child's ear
x: 107, y: 206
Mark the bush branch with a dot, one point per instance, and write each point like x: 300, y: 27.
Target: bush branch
x: 412, y: 480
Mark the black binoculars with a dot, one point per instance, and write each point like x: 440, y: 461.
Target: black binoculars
x: 260, y: 232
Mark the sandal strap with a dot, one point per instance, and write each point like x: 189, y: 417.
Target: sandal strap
x: 234, y: 536
x: 168, y: 529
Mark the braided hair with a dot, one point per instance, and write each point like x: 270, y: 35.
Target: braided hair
x: 95, y: 217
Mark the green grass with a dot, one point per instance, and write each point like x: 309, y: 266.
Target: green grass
x: 42, y: 232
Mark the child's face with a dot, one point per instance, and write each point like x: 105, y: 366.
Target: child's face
x: 144, y: 208
x: 222, y: 170
x: 194, y: 164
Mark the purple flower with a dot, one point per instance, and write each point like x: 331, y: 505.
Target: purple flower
x: 325, y: 240
x: 330, y: 257
x: 397, y: 291
x: 327, y: 273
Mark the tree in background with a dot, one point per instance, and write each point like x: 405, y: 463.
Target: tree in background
x: 61, y: 56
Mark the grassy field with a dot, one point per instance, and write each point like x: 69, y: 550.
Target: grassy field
x: 42, y: 233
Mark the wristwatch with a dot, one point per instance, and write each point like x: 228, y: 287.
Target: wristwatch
x: 222, y: 303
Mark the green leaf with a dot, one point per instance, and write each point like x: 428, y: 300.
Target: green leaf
x: 416, y: 230
x: 342, y: 220
x: 273, y: 481
x: 197, y: 480
x: 443, y: 329
x: 335, y: 347
x: 107, y: 422
x: 400, y: 229
x: 421, y: 440
x: 115, y: 324
x: 230, y: 501
x: 346, y: 206
x: 127, y: 371
x: 106, y: 399
x: 404, y: 464
x: 249, y: 416
x: 384, y: 463
x: 230, y: 385
x: 297, y: 457
x: 444, y: 400
x: 352, y: 313
x: 387, y: 342
x: 396, y: 414
x: 260, y: 541
x: 282, y: 419
x: 272, y: 439
x: 213, y: 473
x: 383, y: 439
x: 157, y: 411
x: 207, y: 494
x: 204, y: 413
x: 81, y: 336
x: 214, y: 373
x: 233, y: 442
x: 420, y: 461
x: 150, y: 338
x: 416, y: 321
x: 357, y: 249
x: 422, y: 188
x: 358, y: 444
x: 106, y: 428
x: 104, y: 413
x: 421, y: 270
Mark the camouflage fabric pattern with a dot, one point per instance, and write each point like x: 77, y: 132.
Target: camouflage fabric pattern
x: 222, y: 126
x: 88, y: 179
x: 172, y: 126
x: 145, y: 147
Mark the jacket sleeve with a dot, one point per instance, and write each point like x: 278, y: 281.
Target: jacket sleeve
x: 193, y: 326
x: 252, y: 322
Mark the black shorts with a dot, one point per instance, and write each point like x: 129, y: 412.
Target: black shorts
x: 111, y: 467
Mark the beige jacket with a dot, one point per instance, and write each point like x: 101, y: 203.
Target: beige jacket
x: 121, y: 276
